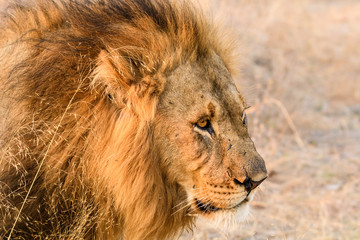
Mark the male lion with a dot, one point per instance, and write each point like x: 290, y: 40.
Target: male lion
x: 121, y: 120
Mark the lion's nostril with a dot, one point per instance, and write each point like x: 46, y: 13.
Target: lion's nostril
x: 254, y: 184
x: 249, y: 184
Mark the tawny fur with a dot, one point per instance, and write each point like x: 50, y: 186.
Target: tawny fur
x: 80, y: 87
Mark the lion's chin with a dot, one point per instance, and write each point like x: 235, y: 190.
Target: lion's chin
x: 228, y: 220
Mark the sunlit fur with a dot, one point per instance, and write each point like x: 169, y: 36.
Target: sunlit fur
x: 80, y: 87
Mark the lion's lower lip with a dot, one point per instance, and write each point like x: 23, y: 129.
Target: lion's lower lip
x: 205, y: 207
x: 208, y: 207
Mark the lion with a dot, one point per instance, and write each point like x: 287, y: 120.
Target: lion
x: 120, y: 120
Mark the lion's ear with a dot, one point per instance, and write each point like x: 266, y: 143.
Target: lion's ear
x: 111, y: 71
x: 126, y: 80
x: 114, y: 76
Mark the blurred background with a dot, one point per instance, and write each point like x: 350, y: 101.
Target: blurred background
x: 301, y: 75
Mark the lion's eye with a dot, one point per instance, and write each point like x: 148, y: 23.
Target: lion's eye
x: 205, y: 125
x: 244, y: 118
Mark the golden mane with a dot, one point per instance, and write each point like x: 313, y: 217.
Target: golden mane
x: 80, y: 86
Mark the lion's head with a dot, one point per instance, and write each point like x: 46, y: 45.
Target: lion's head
x: 123, y: 121
x: 203, y: 139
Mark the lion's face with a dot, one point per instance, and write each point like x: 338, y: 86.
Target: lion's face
x: 205, y: 146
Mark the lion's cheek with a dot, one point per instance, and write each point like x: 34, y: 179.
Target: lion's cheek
x: 182, y: 158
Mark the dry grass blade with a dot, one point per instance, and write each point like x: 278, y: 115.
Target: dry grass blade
x: 286, y: 114
x: 43, y: 159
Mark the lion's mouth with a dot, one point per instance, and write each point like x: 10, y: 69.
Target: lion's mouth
x: 209, y: 207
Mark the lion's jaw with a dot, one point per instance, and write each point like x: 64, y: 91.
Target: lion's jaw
x: 228, y: 218
x: 205, y: 145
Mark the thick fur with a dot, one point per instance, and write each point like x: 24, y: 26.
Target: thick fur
x: 80, y: 88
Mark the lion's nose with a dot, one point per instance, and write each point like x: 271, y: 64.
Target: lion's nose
x: 249, y: 184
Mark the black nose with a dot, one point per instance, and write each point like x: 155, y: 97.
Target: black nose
x: 249, y: 184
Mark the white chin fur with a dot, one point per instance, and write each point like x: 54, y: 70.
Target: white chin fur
x: 229, y: 221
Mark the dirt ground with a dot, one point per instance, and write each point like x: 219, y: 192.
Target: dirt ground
x: 301, y: 72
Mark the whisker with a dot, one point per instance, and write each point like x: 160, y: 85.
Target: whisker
x: 187, y: 205
x: 186, y: 200
x: 207, y: 199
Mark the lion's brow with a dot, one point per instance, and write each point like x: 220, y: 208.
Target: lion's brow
x: 211, y: 108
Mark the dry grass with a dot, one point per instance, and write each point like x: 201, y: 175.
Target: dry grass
x: 302, y: 63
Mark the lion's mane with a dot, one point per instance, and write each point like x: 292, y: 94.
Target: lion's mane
x: 80, y: 81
